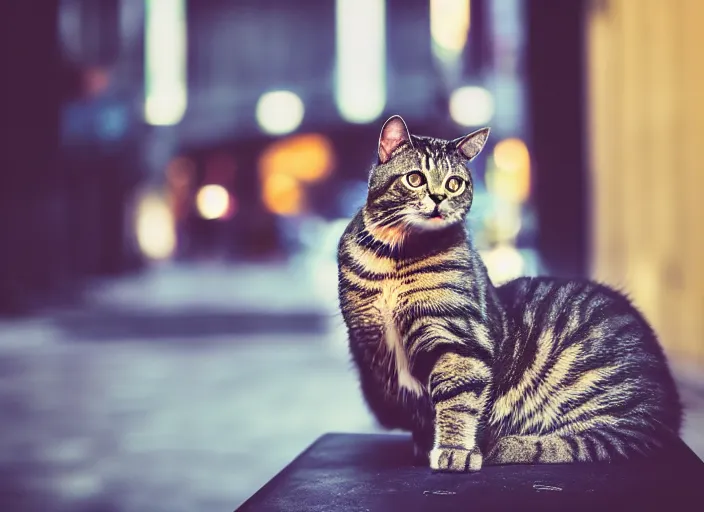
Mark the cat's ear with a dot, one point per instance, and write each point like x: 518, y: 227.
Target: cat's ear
x: 393, y: 134
x: 471, y: 145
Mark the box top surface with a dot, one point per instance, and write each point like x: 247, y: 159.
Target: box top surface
x: 376, y: 472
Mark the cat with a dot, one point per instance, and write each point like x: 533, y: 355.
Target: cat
x: 538, y: 370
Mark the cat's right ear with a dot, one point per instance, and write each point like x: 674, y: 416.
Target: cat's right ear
x: 472, y: 144
x: 393, y: 134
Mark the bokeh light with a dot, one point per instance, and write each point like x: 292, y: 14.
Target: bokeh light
x: 213, y: 202
x: 512, y: 155
x: 95, y: 81
x: 504, y: 224
x: 503, y: 263
x: 449, y: 26
x: 279, y: 112
x: 282, y: 194
x: 154, y: 228
x: 509, y: 174
x: 360, y: 81
x: 165, y: 83
x: 471, y: 106
x: 308, y: 157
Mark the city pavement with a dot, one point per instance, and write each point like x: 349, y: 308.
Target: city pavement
x: 181, y: 390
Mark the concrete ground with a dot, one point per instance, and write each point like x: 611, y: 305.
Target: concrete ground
x: 182, y: 390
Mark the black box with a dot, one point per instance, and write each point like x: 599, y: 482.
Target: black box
x: 372, y: 472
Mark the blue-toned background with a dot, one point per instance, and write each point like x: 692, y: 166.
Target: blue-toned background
x: 176, y: 176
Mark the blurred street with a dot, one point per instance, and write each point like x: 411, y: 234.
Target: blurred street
x: 103, y: 410
x: 96, y: 418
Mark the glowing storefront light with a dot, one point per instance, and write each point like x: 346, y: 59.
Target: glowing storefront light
x: 360, y: 80
x: 166, y: 94
x: 279, y: 112
x: 471, y: 106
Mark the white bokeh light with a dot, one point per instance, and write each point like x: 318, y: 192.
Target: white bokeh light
x: 449, y: 26
x: 165, y: 83
x: 503, y: 263
x: 279, y: 112
x: 360, y: 71
x: 213, y: 202
x: 155, y: 230
x: 471, y: 106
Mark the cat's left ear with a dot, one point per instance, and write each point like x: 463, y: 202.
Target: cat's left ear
x: 471, y: 145
x: 393, y: 134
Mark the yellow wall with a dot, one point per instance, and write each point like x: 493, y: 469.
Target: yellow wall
x: 646, y: 109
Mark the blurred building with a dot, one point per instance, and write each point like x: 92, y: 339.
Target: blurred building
x: 225, y: 130
x: 31, y: 207
x: 646, y: 107
x: 138, y: 131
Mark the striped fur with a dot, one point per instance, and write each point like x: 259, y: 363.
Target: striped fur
x: 537, y: 370
x: 581, y: 377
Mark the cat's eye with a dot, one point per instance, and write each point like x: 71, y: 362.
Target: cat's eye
x: 415, y: 179
x: 454, y: 184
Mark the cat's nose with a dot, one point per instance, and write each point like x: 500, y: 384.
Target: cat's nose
x: 438, y: 198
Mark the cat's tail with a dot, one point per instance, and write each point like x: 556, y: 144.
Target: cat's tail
x: 588, y: 446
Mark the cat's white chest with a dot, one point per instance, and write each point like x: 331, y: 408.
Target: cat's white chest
x: 386, y: 304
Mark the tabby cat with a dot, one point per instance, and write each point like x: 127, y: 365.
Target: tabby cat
x: 538, y: 370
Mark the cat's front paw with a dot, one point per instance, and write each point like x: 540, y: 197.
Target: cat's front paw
x: 455, y: 459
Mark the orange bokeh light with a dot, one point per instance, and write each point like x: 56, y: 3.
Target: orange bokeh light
x: 512, y: 155
x: 282, y: 194
x: 287, y: 165
x: 512, y: 175
x: 308, y: 158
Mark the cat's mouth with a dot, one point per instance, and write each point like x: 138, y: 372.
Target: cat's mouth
x: 436, y: 215
x: 432, y: 220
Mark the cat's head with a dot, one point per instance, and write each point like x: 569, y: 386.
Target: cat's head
x: 420, y: 183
